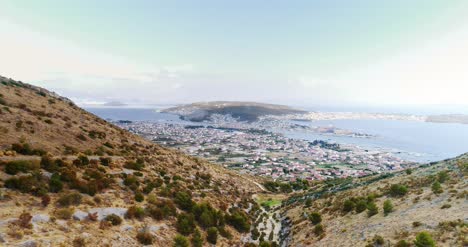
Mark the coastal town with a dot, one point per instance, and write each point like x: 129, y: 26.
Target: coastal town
x: 254, y: 149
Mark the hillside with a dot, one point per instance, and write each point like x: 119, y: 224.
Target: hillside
x: 384, y: 210
x: 69, y: 178
x: 244, y: 111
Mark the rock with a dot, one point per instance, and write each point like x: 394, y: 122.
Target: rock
x: 103, y: 212
x: 29, y: 243
x: 38, y: 218
x: 80, y: 215
x: 126, y: 228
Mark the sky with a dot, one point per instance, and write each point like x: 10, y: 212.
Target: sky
x: 314, y: 52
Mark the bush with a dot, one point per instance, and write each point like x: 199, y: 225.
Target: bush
x: 197, y: 240
x: 239, y: 220
x: 361, y: 205
x: 315, y: 218
x: 48, y: 164
x: 442, y: 177
x: 64, y: 213
x: 398, y: 190
x: 185, y: 223
x: 180, y: 241
x: 348, y: 206
x: 139, y: 197
x: 16, y: 166
x: 28, y: 184
x: 105, y: 161
x: 135, y: 212
x: 437, y: 188
x: 70, y: 199
x: 24, y: 220
x: 145, y: 237
x: 113, y: 219
x: 206, y: 215
x: 55, y: 184
x: 212, y: 235
x: 134, y: 165
x: 372, y: 209
x: 387, y: 207
x: 424, y: 239
x: 183, y: 200
x: 402, y: 243
x: 319, y: 230
x: 161, y: 210
x: 378, y: 240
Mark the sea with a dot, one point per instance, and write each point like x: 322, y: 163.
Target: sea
x: 409, y: 140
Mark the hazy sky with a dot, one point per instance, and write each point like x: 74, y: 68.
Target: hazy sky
x: 394, y: 52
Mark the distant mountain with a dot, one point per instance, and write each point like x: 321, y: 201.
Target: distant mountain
x: 448, y: 118
x: 244, y: 111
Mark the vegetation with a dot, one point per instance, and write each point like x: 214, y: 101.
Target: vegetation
x: 319, y: 230
x: 185, y: 223
x: 315, y: 218
x: 398, y: 190
x: 437, y: 188
x: 114, y: 219
x: 212, y: 235
x: 197, y: 240
x: 180, y: 241
x: 64, y: 213
x: 372, y: 209
x: 424, y: 239
x: 144, y: 237
x: 16, y: 166
x: 387, y: 207
x: 68, y: 199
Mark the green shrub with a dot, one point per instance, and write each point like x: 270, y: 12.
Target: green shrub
x: 224, y: 232
x: 319, y: 230
x: 113, y: 219
x: 139, y: 197
x: 361, y: 205
x: 212, y: 235
x: 183, y: 200
x: 197, y: 240
x: 424, y: 239
x: 372, y: 209
x: 145, y: 237
x: 206, y: 215
x: 105, y: 161
x: 378, y: 240
x: 135, y: 212
x: 180, y: 241
x: 73, y: 198
x: 308, y: 202
x: 442, y: 176
x: 185, y: 223
x: 16, y: 166
x: 239, y: 220
x: 348, y: 206
x: 437, y: 188
x: 48, y: 164
x: 387, y: 207
x: 402, y: 243
x: 28, y: 184
x: 398, y: 190
x: 134, y: 165
x: 64, y: 213
x: 315, y: 218
x: 55, y: 184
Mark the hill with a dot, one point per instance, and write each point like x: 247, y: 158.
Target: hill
x: 384, y: 210
x: 244, y: 111
x: 68, y: 178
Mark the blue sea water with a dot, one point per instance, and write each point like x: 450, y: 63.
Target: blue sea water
x: 411, y: 140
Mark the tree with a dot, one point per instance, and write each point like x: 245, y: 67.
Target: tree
x: 315, y: 218
x: 372, y: 209
x: 387, y: 207
x: 437, y: 188
x: 212, y: 235
x: 185, y: 223
x: 424, y: 239
x: 197, y: 240
x: 180, y: 241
